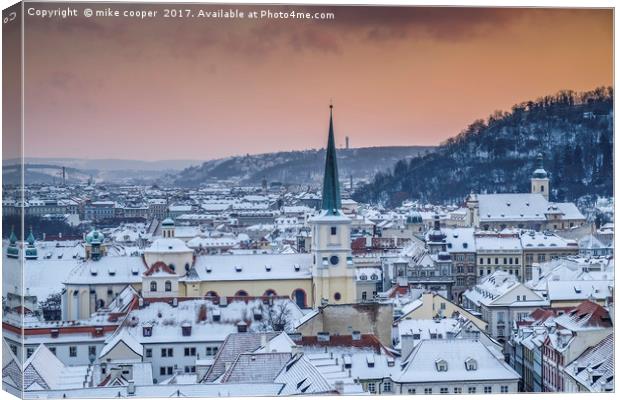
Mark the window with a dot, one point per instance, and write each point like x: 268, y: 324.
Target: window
x: 387, y: 386
x: 169, y: 370
x: 443, y: 390
x: 364, y: 295
x: 371, y: 387
x: 149, y: 353
x: 162, y: 370
x: 504, y: 389
x: 167, y: 352
x: 487, y: 389
x: 72, y: 351
x: 337, y: 296
x: 458, y: 390
x: 168, y: 286
x: 428, y: 390
x: 14, y: 349
x: 52, y: 349
x: 29, y: 352
x: 471, y: 390
x: 211, y: 351
x: 92, y: 350
x: 334, y: 260
x: 153, y: 286
x: 190, y: 351
x: 481, y: 260
x: 411, y: 391
x: 334, y: 230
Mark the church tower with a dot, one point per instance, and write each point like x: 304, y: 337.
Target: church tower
x: 333, y: 272
x: 540, y: 179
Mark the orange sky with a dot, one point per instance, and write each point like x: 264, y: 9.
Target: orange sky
x: 201, y: 89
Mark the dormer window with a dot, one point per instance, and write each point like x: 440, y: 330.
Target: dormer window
x: 471, y: 364
x: 153, y: 286
x: 147, y: 331
x: 370, y: 360
x: 334, y: 230
x: 186, y: 329
x: 441, y: 365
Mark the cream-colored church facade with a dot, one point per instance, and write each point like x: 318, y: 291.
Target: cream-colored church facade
x: 168, y: 269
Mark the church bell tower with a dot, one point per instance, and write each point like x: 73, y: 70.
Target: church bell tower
x: 333, y: 272
x: 540, y: 179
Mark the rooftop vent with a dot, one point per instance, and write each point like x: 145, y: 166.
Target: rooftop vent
x: 208, y: 270
x: 238, y: 268
x: 267, y: 268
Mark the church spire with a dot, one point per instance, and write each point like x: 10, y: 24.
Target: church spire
x: 331, y: 186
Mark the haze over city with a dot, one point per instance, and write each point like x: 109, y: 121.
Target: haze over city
x: 204, y: 89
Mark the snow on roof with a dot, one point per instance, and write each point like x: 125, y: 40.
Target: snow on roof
x: 420, y: 366
x: 253, y: 267
x: 460, y: 240
x: 579, y: 290
x: 299, y: 376
x: 255, y: 368
x: 427, y: 329
x: 594, y: 368
x: 569, y: 210
x: 492, y: 287
x: 537, y: 240
x: 494, y: 243
x: 168, y: 245
x: 108, y: 270
x: 45, y: 370
x: 234, y: 345
x: 122, y: 336
x: 512, y: 206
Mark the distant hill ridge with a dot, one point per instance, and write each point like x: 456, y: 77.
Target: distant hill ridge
x: 573, y: 131
x: 296, y: 167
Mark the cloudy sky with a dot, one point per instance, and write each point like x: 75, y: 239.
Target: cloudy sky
x: 204, y: 88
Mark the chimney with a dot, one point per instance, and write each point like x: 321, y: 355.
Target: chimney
x: 406, y: 345
x: 264, y: 343
x: 242, y: 327
x: 131, y: 388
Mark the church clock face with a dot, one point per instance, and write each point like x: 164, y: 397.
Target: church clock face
x: 334, y: 260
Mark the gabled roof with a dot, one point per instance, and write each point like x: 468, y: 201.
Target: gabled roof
x: 122, y: 336
x: 594, y: 368
x: 587, y: 315
x: 235, y: 344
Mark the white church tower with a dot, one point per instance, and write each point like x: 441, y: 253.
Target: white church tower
x: 540, y: 179
x: 333, y: 272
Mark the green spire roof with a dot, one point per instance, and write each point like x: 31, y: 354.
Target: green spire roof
x: 12, y: 238
x: 30, y: 238
x: 331, y: 186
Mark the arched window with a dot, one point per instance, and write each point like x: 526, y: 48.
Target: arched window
x: 241, y: 293
x: 337, y: 296
x: 187, y: 267
x: 542, y: 188
x: 100, y: 304
x: 168, y: 286
x: 270, y: 292
x: 299, y: 296
x: 172, y: 267
x: 153, y: 286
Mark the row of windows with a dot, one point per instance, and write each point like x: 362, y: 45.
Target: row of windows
x: 459, y: 390
x: 187, y: 352
x: 507, y: 260
x: 167, y: 286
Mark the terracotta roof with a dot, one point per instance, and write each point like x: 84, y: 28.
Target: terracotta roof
x: 157, y: 267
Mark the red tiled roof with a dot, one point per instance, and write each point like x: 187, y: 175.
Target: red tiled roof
x: 159, y: 266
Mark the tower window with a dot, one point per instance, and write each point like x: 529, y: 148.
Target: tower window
x: 337, y: 296
x: 333, y: 230
x: 542, y: 188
